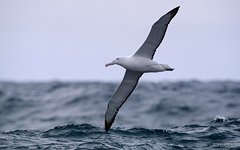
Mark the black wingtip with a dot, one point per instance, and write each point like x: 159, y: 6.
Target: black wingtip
x: 168, y: 16
x: 174, y: 11
x: 177, y: 8
x: 107, y: 126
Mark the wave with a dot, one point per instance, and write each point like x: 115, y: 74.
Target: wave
x: 164, y: 115
x: 219, y: 133
x: 72, y: 130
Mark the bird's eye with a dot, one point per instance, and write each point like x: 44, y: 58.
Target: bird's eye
x: 117, y: 58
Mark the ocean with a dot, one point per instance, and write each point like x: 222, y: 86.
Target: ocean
x: 164, y: 115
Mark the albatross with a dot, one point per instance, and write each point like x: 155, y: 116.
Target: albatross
x: 138, y: 64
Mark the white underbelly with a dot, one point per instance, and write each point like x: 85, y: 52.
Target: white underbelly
x: 142, y: 65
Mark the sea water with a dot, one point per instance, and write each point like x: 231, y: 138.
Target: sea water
x: 158, y: 115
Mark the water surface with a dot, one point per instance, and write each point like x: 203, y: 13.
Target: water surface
x: 160, y: 115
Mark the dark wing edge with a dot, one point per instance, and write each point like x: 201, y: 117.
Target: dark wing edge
x: 156, y: 35
x: 125, y: 89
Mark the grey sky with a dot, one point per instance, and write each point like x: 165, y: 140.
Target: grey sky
x: 73, y: 39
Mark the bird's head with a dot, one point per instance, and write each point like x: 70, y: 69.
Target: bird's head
x: 117, y: 61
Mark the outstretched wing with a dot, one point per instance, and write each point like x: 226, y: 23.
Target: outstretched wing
x: 156, y: 35
x: 127, y: 86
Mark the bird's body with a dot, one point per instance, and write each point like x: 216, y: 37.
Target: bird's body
x: 141, y: 62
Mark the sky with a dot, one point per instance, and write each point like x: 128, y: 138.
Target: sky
x: 72, y: 40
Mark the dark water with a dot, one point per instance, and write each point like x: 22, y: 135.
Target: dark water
x: 162, y: 115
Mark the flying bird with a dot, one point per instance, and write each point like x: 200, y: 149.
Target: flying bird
x: 141, y: 62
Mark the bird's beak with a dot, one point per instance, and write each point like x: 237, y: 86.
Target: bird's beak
x: 109, y: 64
